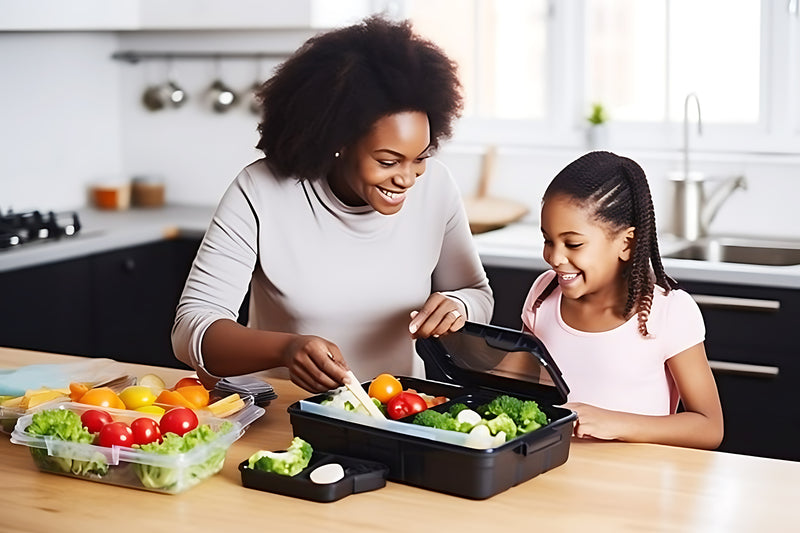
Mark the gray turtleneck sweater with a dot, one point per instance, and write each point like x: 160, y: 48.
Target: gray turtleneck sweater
x: 316, y: 266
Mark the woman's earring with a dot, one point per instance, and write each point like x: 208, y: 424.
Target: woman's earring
x: 336, y: 155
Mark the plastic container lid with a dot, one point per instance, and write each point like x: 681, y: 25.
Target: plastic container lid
x: 495, y: 358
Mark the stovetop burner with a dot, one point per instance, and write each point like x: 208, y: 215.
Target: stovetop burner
x: 33, y: 226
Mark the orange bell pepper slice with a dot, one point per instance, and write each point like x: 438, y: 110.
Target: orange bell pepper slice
x: 170, y: 397
x: 77, y: 390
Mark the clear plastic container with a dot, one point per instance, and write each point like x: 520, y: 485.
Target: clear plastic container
x: 132, y: 467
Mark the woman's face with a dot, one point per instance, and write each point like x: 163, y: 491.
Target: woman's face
x: 381, y: 167
x: 587, y: 256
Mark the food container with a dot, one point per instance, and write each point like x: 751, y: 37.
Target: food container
x: 471, y: 366
x: 132, y: 467
x: 359, y: 476
x: 147, y: 191
x: 111, y: 195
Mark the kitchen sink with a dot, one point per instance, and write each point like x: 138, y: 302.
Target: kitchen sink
x: 746, y: 250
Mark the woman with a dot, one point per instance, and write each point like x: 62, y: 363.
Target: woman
x: 351, y: 240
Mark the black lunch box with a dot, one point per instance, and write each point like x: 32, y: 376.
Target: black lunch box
x: 471, y: 366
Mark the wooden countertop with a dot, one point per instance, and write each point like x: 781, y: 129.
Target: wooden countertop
x: 606, y: 486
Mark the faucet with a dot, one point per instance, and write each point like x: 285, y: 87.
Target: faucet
x: 694, y: 212
x: 689, y: 97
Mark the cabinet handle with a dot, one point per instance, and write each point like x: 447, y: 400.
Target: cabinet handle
x: 730, y: 302
x: 743, y: 369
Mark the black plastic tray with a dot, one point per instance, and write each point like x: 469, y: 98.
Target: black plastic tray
x: 359, y: 476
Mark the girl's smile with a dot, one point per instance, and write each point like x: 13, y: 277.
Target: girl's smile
x: 586, y: 253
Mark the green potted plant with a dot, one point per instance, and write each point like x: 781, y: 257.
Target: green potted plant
x: 597, y: 132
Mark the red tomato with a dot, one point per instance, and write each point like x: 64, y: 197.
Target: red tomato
x: 187, y: 382
x: 145, y: 430
x: 95, y: 419
x: 116, y: 434
x: 178, y: 420
x: 405, y: 404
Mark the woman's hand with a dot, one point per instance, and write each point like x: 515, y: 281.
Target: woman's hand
x: 314, y: 363
x: 439, y: 315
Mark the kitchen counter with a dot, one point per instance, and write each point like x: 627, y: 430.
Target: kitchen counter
x: 520, y: 246
x: 603, y: 486
x: 515, y: 246
x: 103, y: 231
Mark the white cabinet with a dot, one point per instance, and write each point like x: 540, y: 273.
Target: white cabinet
x: 133, y: 15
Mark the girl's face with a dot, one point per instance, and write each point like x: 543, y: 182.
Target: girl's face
x: 587, y: 256
x: 381, y: 167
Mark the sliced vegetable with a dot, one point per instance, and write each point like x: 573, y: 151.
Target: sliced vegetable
x: 171, y: 397
x: 327, y: 474
x: 197, y: 395
x: 102, y: 397
x: 290, y: 462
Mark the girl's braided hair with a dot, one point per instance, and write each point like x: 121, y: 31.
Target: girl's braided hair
x: 615, y: 190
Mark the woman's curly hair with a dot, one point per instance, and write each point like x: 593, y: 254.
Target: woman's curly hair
x: 615, y: 190
x: 332, y: 90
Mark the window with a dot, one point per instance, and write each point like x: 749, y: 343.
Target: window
x: 532, y: 68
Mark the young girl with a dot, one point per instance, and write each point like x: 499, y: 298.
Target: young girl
x: 629, y: 343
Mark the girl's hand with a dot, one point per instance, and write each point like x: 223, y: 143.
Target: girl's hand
x: 440, y: 315
x: 314, y: 363
x: 594, y: 422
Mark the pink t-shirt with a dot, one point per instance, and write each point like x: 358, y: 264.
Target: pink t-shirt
x: 618, y: 369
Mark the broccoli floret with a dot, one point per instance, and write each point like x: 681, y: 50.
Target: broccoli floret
x: 434, y: 419
x: 530, y: 417
x: 456, y: 408
x: 287, y: 463
x: 502, y: 422
x: 504, y: 405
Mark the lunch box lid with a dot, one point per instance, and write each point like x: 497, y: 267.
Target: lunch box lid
x: 494, y: 357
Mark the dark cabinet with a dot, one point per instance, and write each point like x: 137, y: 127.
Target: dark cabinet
x: 751, y: 344
x: 133, y: 299
x: 119, y: 304
x: 510, y: 287
x: 45, y: 308
x: 752, y: 347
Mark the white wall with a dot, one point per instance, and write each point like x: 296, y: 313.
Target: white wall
x: 59, y: 117
x: 70, y: 115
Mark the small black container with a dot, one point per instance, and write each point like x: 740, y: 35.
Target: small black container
x: 471, y: 366
x: 359, y: 476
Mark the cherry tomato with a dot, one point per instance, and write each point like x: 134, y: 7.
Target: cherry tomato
x: 384, y: 387
x: 94, y: 420
x: 405, y: 404
x: 116, y: 434
x: 179, y: 420
x: 145, y: 430
x: 187, y: 382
